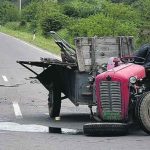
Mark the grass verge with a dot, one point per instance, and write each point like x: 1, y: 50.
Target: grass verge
x: 39, y: 41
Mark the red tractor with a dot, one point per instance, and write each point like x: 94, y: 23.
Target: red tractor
x: 99, y: 72
x: 123, y: 96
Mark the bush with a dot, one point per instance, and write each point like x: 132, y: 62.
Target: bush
x: 100, y: 25
x: 12, y: 25
x: 70, y: 11
x: 37, y: 11
x: 54, y: 22
x: 82, y: 8
x: 8, y: 12
x: 124, y: 1
x: 29, y: 13
x: 22, y: 23
x: 22, y: 26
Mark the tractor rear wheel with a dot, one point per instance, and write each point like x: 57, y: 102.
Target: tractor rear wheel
x: 143, y: 112
x: 54, y: 102
x: 102, y: 129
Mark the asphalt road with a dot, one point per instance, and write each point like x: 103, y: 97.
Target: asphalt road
x: 24, y: 119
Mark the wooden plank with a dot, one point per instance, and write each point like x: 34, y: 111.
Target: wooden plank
x: 83, y: 53
x: 106, y: 40
x: 102, y: 47
x: 80, y: 59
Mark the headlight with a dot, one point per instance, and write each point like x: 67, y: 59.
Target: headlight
x: 132, y: 80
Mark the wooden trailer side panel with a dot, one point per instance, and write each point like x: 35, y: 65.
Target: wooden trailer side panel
x: 97, y: 50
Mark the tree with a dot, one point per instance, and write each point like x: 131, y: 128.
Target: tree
x: 82, y: 8
x: 113, y: 20
x: 124, y: 1
x: 8, y: 12
x: 143, y: 6
x: 53, y: 22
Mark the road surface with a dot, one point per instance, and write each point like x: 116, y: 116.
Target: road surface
x: 24, y: 119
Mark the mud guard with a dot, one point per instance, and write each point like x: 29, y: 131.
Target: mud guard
x: 52, y: 74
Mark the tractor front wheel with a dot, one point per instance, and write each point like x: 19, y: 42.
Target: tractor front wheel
x: 54, y: 102
x: 105, y: 128
x: 143, y: 112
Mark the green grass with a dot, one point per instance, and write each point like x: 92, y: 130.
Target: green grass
x: 40, y: 41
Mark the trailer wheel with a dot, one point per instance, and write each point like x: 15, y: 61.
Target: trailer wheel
x: 143, y: 112
x: 54, y: 102
x: 103, y: 129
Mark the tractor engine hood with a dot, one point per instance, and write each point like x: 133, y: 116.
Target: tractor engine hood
x: 125, y: 71
x: 112, y: 91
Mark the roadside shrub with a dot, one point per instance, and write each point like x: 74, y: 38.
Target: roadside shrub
x: 38, y: 11
x: 120, y: 11
x: 123, y: 1
x: 22, y: 26
x: 29, y: 13
x: 22, y: 23
x: 81, y: 8
x: 100, y: 25
x: 70, y: 11
x: 8, y: 12
x: 12, y: 25
x: 53, y: 22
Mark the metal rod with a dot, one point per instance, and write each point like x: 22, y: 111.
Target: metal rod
x: 29, y: 69
x: 20, y: 6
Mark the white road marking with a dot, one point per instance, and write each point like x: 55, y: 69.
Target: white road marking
x: 17, y: 110
x: 68, y: 131
x: 12, y: 126
x: 5, y: 78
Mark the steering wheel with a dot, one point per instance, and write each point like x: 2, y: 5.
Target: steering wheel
x: 132, y: 59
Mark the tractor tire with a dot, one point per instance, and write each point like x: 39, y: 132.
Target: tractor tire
x: 54, y: 102
x: 105, y: 129
x: 143, y: 112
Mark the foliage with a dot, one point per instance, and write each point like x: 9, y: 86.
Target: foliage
x: 82, y: 8
x: 12, y: 25
x: 120, y: 11
x: 18, y: 26
x: 81, y: 17
x: 54, y: 22
x: 8, y: 12
x: 70, y: 11
x: 124, y: 1
x: 143, y: 6
x: 22, y: 23
x: 100, y: 25
x: 29, y: 13
x: 114, y: 19
x: 39, y: 41
x: 37, y: 11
